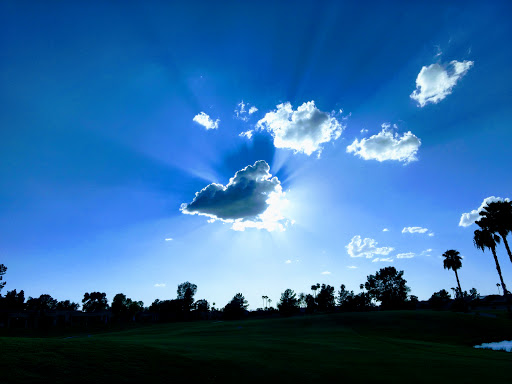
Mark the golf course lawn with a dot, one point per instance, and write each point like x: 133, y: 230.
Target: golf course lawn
x: 377, y: 347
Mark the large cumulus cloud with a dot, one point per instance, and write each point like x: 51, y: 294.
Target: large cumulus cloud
x: 303, y: 130
x: 436, y: 81
x: 251, y: 199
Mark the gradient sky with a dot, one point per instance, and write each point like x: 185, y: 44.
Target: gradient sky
x: 100, y: 149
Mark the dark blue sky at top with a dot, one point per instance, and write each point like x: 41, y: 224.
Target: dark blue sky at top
x: 97, y: 101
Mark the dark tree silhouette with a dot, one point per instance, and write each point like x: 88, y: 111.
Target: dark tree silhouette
x: 124, y: 308
x: 186, y: 292
x: 389, y: 287
x: 344, y: 297
x: 13, y: 301
x: 236, y: 308
x: 289, y: 304
x: 484, y: 238
x: 43, y: 303
x: 325, y: 298
x: 67, y: 305
x: 453, y: 260
x: 310, y: 303
x: 3, y: 269
x: 94, y: 302
x: 497, y: 218
x: 439, y: 299
x: 315, y: 287
x: 202, y: 305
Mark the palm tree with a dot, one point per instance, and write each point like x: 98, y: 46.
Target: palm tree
x: 269, y: 301
x: 314, y: 287
x: 497, y: 217
x: 484, y: 238
x: 498, y: 285
x: 453, y: 260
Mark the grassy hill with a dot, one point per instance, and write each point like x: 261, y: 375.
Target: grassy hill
x: 377, y: 347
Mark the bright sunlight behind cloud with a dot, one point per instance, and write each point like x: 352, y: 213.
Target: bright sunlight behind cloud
x: 251, y: 199
x: 303, y: 130
x: 436, y: 81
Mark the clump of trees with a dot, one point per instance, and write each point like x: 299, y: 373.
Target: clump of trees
x: 236, y: 308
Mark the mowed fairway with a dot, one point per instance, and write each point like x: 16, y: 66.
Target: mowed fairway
x: 398, y: 347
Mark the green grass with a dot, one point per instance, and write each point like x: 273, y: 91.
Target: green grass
x: 378, y: 347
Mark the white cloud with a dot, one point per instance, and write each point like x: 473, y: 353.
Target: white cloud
x: 247, y: 134
x: 436, y: 81
x: 326, y: 273
x: 169, y: 239
x: 205, y: 120
x: 241, y: 111
x: 414, y: 230
x: 288, y: 262
x: 385, y: 230
x: 469, y: 218
x: 159, y: 285
x: 426, y: 252
x: 366, y: 248
x: 303, y: 130
x: 251, y: 199
x: 431, y: 234
x: 364, y: 130
x: 388, y: 259
x: 351, y: 267
x: 408, y: 255
x: 387, y: 145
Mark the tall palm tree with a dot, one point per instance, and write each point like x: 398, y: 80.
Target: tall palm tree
x: 484, y: 238
x: 497, y: 218
x: 498, y: 285
x: 453, y: 260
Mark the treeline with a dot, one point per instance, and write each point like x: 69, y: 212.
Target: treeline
x: 385, y: 290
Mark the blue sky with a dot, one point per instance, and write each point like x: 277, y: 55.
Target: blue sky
x: 100, y: 150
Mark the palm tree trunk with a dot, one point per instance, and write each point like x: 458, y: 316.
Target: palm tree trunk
x: 504, y: 237
x: 498, y: 268
x: 458, y: 282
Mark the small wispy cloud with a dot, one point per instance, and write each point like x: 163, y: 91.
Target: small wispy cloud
x: 205, y: 120
x: 408, y: 255
x: 426, y: 252
x: 387, y: 259
x: 169, y: 239
x: 326, y: 273
x: 417, y: 230
x: 241, y: 111
x: 247, y: 134
x: 288, y: 262
x: 385, y: 230
x: 159, y: 285
x: 351, y: 267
